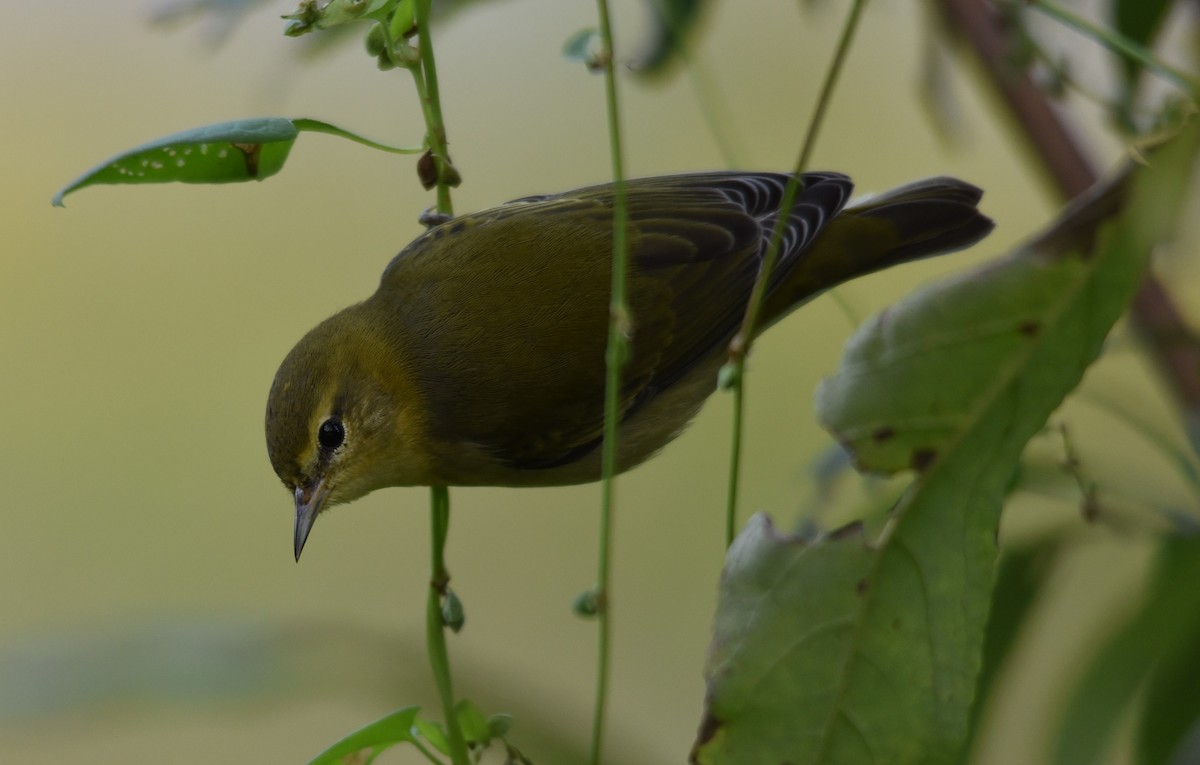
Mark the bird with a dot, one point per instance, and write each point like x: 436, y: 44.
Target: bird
x: 480, y: 358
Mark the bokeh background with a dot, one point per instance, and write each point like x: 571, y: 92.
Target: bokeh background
x: 150, y: 609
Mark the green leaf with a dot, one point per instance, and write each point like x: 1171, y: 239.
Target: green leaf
x: 385, y: 732
x: 228, y: 152
x: 840, y: 651
x: 785, y: 610
x: 310, y: 16
x: 434, y: 733
x: 1160, y: 636
x: 474, y: 725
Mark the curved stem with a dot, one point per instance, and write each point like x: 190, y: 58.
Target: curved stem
x: 620, y: 324
x: 1119, y: 44
x: 750, y: 322
x: 431, y: 106
x: 435, y: 630
x: 425, y: 81
x: 735, y: 371
x: 735, y: 460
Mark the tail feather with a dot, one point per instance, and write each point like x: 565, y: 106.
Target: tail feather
x: 931, y: 217
x: 917, y: 220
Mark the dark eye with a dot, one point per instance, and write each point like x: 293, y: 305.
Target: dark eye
x: 331, y: 434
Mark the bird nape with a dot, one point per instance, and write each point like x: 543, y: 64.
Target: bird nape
x: 480, y: 359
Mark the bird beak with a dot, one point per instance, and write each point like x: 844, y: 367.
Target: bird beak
x: 309, y: 500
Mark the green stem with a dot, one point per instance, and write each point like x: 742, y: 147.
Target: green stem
x: 735, y: 460
x: 317, y: 126
x: 620, y: 324
x: 425, y: 80
x: 1118, y: 43
x: 424, y: 74
x: 435, y: 630
x: 740, y: 347
x: 431, y: 106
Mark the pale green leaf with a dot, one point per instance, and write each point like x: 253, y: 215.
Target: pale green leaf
x: 841, y: 651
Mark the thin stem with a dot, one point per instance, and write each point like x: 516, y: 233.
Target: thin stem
x: 1118, y: 43
x: 435, y: 630
x: 425, y: 81
x: 740, y: 346
x: 431, y: 105
x: 620, y: 325
x: 735, y: 461
x: 750, y: 322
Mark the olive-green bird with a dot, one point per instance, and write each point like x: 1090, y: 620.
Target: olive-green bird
x: 480, y: 360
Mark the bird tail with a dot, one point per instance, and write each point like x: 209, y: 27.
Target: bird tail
x: 917, y: 220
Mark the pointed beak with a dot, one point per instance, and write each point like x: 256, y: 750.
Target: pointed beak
x: 309, y: 500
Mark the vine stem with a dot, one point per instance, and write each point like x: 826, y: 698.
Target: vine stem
x: 431, y: 106
x: 1117, y: 43
x: 424, y: 74
x: 435, y: 629
x: 620, y: 325
x: 426, y: 83
x: 734, y: 373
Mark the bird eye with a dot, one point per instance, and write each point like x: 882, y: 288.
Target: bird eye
x: 331, y: 434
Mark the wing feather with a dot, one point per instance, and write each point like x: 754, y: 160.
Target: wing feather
x: 538, y: 341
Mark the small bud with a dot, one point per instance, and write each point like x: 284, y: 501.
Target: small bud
x: 375, y: 41
x: 303, y: 20
x: 729, y: 376
x: 586, y: 604
x: 499, y: 725
x: 453, y: 615
x: 451, y: 175
x: 427, y: 170
x: 473, y: 724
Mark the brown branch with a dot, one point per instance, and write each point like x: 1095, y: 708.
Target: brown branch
x: 1174, y: 347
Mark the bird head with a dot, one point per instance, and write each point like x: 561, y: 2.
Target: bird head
x: 339, y: 420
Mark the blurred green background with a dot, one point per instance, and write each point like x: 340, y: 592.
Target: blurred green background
x: 151, y: 608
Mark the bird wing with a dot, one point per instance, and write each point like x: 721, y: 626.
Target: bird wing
x: 506, y: 311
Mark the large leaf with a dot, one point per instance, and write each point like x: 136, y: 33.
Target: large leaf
x: 840, y: 651
x: 374, y: 738
x: 228, y: 152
